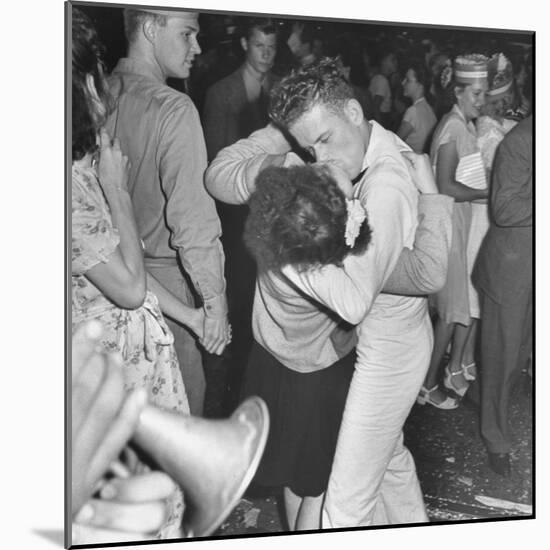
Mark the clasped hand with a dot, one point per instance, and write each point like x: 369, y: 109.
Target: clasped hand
x: 216, y: 335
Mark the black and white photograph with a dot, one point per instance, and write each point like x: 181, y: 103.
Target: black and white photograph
x: 301, y: 274
x: 298, y: 266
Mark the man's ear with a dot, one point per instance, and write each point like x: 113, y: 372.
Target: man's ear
x: 149, y: 29
x: 244, y: 43
x: 354, y: 112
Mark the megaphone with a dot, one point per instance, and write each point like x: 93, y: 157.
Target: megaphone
x: 213, y: 461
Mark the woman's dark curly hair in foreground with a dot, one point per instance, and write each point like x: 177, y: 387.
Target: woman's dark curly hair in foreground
x: 298, y: 217
x: 86, y: 50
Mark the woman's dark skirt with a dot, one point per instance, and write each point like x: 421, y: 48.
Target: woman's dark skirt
x: 305, y: 414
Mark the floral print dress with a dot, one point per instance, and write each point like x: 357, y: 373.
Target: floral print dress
x: 140, y: 335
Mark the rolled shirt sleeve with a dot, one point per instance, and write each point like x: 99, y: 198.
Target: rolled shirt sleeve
x: 231, y: 176
x: 190, y: 212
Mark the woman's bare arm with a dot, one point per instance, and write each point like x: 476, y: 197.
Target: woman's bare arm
x: 447, y: 161
x: 122, y: 277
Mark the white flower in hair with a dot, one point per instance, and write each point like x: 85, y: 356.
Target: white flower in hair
x: 356, y: 217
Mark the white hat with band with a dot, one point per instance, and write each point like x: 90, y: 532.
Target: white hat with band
x: 470, y: 68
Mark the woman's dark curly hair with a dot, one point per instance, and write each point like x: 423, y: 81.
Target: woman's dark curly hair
x: 86, y: 59
x: 321, y: 82
x: 298, y: 217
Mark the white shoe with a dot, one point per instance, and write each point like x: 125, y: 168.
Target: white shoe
x: 425, y: 397
x: 448, y: 381
x: 469, y: 371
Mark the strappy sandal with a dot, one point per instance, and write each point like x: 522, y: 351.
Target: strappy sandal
x: 425, y: 397
x: 469, y: 371
x: 448, y: 381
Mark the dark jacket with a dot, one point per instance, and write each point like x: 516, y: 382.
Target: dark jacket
x: 228, y: 115
x: 504, y: 265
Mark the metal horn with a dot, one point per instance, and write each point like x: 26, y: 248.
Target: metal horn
x: 213, y: 461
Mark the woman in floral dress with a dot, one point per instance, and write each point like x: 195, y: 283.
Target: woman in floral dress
x: 138, y: 332
x: 109, y: 283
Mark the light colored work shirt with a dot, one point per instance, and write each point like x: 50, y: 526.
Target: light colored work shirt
x: 160, y: 132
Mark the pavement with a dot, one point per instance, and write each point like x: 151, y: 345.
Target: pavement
x: 451, y: 461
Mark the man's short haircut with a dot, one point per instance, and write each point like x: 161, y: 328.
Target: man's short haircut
x: 134, y: 19
x: 262, y: 24
x: 322, y: 82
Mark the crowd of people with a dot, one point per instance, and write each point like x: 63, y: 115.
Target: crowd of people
x: 281, y: 231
